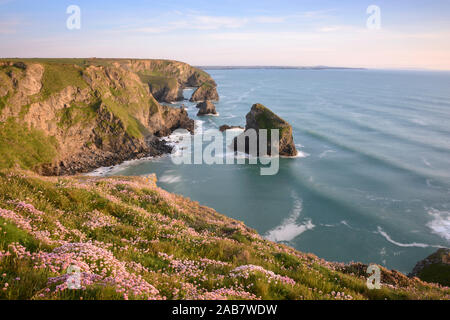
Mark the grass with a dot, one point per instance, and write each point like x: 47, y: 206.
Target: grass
x: 438, y: 273
x: 132, y: 126
x: 58, y: 76
x: 25, y: 147
x: 78, y: 113
x: 159, y: 240
x: 4, y: 101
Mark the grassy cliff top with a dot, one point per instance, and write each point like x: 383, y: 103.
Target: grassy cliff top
x: 133, y: 240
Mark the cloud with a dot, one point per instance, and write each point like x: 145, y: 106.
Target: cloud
x: 197, y: 21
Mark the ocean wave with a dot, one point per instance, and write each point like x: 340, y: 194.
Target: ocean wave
x: 399, y: 244
x: 323, y: 154
x: 289, y: 228
x: 440, y: 224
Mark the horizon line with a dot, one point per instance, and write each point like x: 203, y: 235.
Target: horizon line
x: 274, y: 66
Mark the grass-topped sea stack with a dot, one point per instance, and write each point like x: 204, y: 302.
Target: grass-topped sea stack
x: 261, y: 117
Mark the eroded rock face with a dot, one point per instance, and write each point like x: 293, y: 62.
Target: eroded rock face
x: 206, y: 108
x: 206, y: 92
x: 261, y: 117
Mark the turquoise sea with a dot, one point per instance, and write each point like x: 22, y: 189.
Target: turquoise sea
x: 372, y: 182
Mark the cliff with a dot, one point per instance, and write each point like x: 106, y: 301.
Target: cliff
x: 167, y: 78
x: 133, y: 240
x: 72, y: 115
x: 261, y: 117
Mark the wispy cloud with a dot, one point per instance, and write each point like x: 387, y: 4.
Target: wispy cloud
x: 198, y: 21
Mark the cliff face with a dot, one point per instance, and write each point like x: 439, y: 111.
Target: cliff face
x: 260, y: 117
x: 84, y: 114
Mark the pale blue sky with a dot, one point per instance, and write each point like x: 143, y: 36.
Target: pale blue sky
x: 414, y: 34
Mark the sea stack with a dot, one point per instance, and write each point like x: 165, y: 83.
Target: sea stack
x: 261, y: 117
x: 206, y: 92
x: 206, y: 108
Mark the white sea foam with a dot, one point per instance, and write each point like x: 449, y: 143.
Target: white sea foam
x: 440, y: 224
x: 413, y: 244
x: 300, y: 154
x: 427, y: 163
x: 102, y: 171
x: 289, y: 228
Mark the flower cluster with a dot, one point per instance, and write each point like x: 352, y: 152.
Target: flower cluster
x: 97, y: 220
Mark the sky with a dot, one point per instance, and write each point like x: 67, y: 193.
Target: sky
x: 412, y: 34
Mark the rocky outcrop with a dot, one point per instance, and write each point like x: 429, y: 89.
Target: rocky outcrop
x: 206, y: 108
x: 226, y: 127
x: 206, y: 92
x: 434, y: 268
x: 94, y: 115
x: 261, y: 117
x: 166, y: 79
x: 165, y: 89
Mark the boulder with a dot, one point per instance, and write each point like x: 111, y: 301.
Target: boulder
x: 261, y: 117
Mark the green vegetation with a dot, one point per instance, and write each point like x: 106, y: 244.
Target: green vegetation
x: 164, y: 245
x: 24, y: 147
x: 59, y: 76
x: 437, y: 273
x: 266, y: 118
x: 3, y: 101
x: 158, y: 82
x: 132, y: 126
x: 78, y: 113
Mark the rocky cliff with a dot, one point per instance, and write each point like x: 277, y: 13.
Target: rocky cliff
x: 206, y: 92
x: 260, y: 117
x: 72, y: 115
x: 166, y: 79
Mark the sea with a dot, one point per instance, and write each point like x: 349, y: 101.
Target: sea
x: 371, y: 182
